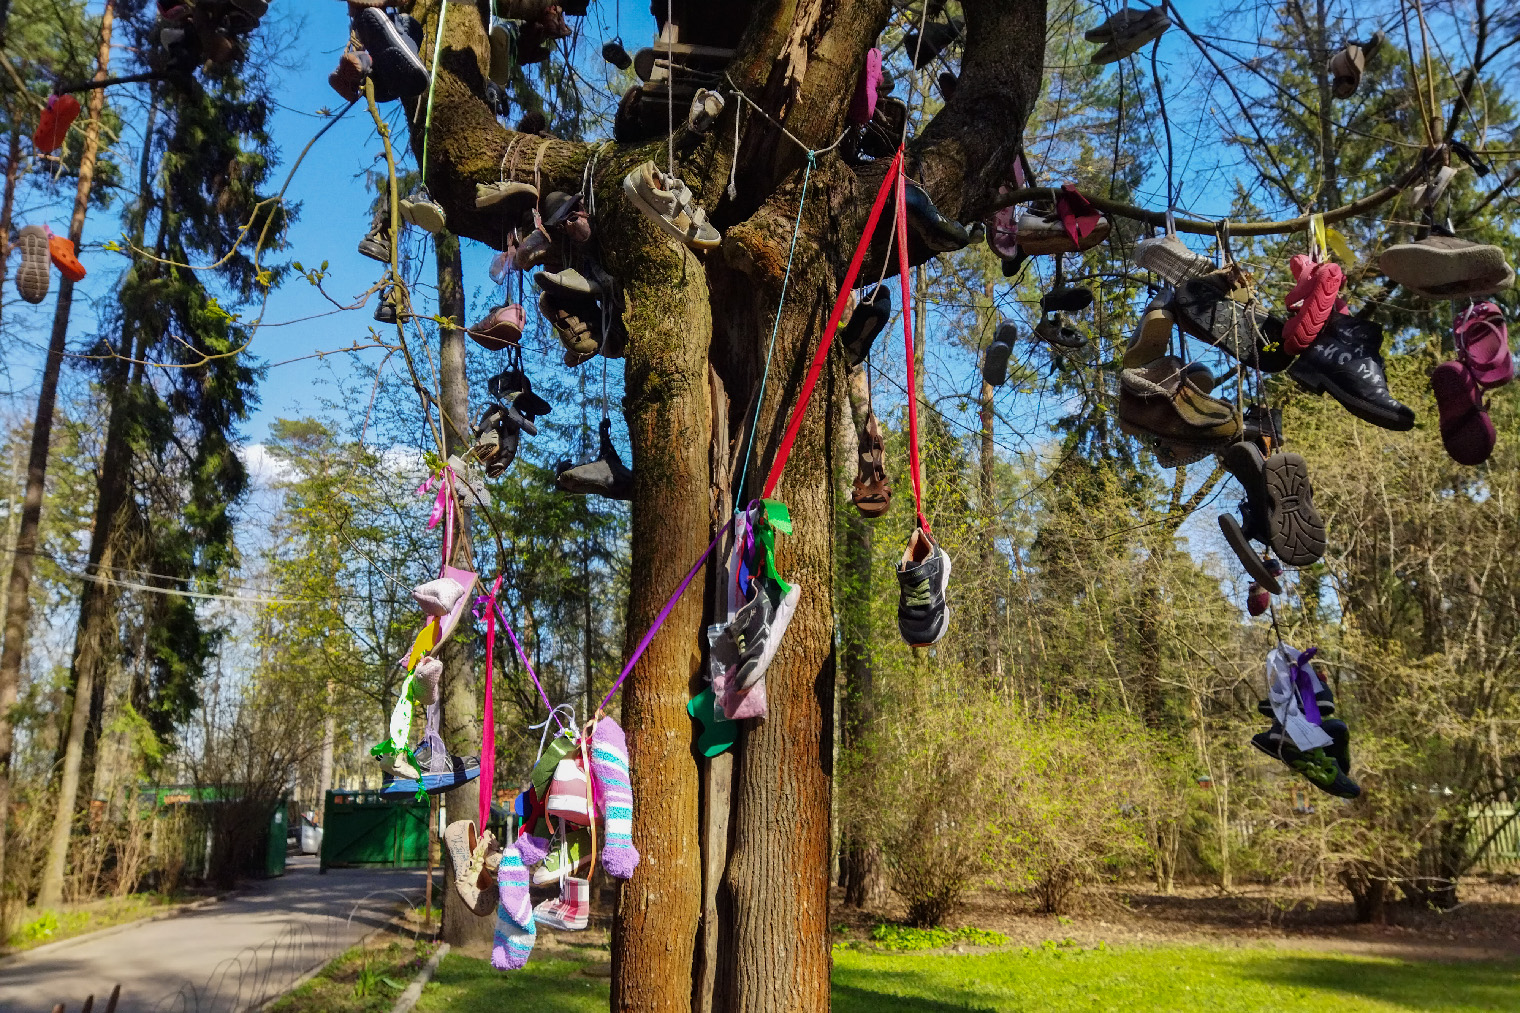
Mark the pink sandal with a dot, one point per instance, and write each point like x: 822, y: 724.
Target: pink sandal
x: 1311, y: 300
x: 1483, y: 344
x: 1466, y: 430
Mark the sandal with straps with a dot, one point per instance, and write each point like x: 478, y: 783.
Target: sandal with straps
x: 872, y: 491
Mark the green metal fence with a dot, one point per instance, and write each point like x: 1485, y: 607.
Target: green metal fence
x: 1503, y: 852
x: 361, y: 828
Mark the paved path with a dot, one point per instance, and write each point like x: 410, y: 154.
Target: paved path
x: 222, y: 958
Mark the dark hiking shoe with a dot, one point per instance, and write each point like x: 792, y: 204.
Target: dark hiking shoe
x: 376, y: 244
x: 1316, y: 765
x: 386, y: 312
x: 1057, y: 333
x: 866, y: 322
x: 758, y: 627
x: 1204, y: 310
x: 1279, y: 506
x: 936, y: 38
x: 1346, y: 362
x: 606, y: 476
x: 938, y: 233
x: 995, y: 362
x: 397, y: 67
x: 923, y: 617
x: 1066, y: 299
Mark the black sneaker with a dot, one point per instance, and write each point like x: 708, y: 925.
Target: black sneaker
x: 922, y: 576
x: 1317, y: 766
x: 758, y: 627
x: 606, y: 476
x: 859, y: 333
x: 1346, y: 362
x: 386, y: 313
x: 398, y: 68
x: 938, y: 233
x: 376, y: 244
x: 1066, y: 299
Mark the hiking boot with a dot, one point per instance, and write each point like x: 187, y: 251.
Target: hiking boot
x: 604, y: 476
x: 1160, y: 417
x: 1445, y: 267
x: 995, y: 361
x: 1346, y: 362
x: 348, y: 79
x: 1204, y: 310
x: 396, y: 65
x: 1317, y: 767
x: 1186, y: 387
x: 872, y: 492
x: 758, y: 627
x: 923, y: 617
x: 1279, y: 506
x: 866, y: 322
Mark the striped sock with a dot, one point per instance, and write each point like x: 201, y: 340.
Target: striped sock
x: 515, y: 931
x: 614, y: 797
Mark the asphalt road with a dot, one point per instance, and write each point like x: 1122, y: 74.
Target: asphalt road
x: 222, y: 958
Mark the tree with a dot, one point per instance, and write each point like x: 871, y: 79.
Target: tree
x: 795, y: 61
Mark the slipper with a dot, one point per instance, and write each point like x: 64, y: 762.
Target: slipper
x: 501, y: 328
x: 61, y: 250
x: 35, y: 275
x: 1311, y: 300
x: 53, y: 126
x: 1466, y: 430
x: 995, y: 362
x: 867, y: 319
x: 569, y: 283
x: 1483, y: 345
x: 438, y: 597
x: 607, y: 475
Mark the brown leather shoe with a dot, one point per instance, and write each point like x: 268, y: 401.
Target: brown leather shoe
x: 1160, y: 417
x: 872, y: 493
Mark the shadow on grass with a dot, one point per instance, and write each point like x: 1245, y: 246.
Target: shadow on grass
x: 468, y: 985
x: 1414, y: 986
x: 859, y: 999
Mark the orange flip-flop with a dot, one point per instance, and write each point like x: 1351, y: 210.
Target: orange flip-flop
x: 61, y: 248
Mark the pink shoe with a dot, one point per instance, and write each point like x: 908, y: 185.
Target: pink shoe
x: 568, y: 794
x: 1483, y: 344
x: 863, y: 105
x: 502, y: 327
x: 571, y: 912
x: 1310, y: 302
x: 1466, y: 430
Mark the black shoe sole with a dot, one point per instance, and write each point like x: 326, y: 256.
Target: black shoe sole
x: 1241, y: 546
x: 1316, y: 382
x: 1297, y: 529
x: 394, y: 63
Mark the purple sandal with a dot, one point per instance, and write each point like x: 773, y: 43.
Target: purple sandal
x: 1483, y: 344
x: 1466, y: 430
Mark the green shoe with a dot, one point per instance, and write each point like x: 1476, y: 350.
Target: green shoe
x: 570, y: 857
x: 559, y: 747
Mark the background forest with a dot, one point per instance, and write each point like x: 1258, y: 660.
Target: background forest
x: 220, y: 593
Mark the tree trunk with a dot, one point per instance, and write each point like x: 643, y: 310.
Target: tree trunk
x: 796, y: 60
x: 860, y: 871
x: 18, y: 601
x: 461, y: 719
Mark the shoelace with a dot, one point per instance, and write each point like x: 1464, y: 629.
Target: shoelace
x: 919, y: 595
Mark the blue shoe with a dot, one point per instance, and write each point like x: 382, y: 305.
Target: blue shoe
x: 462, y: 770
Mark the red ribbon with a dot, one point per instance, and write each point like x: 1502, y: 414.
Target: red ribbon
x: 488, y: 720
x: 907, y: 318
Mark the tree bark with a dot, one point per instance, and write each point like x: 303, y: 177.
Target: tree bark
x: 18, y: 601
x: 461, y: 720
x: 795, y: 60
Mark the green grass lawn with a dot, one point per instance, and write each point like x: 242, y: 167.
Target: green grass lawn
x: 1178, y: 978
x: 37, y: 927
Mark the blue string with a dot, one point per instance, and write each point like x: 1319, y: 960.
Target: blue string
x: 760, y: 401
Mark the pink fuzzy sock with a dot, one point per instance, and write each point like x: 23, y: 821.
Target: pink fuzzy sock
x: 515, y: 931
x: 614, y: 797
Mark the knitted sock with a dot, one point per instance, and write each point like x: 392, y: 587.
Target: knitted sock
x: 614, y: 797
x: 515, y: 931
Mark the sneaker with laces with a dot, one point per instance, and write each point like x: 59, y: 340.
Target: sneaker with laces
x: 570, y: 856
x: 922, y: 576
x: 570, y: 911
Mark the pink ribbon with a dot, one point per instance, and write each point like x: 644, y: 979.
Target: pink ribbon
x: 488, y: 720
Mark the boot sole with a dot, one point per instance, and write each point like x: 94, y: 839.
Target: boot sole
x: 1241, y: 546
x: 1296, y: 527
x: 34, y: 276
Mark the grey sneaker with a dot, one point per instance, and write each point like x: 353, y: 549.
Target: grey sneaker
x: 922, y: 576
x: 758, y: 627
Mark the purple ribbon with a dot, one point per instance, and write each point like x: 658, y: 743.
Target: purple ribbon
x: 1303, y: 679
